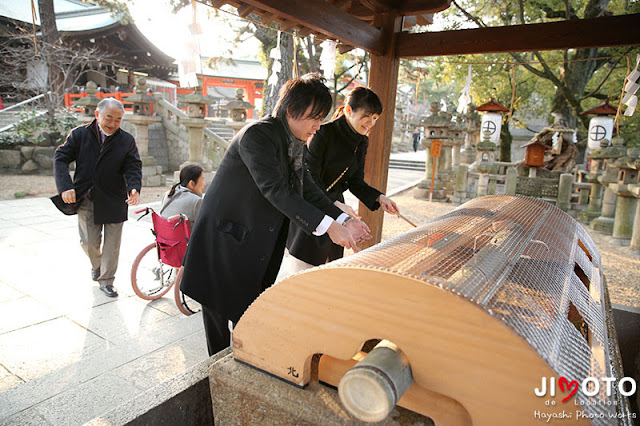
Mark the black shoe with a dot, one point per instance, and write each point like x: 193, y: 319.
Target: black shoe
x: 95, y: 274
x: 109, y: 290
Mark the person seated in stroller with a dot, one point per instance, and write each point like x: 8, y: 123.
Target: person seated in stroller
x: 185, y: 196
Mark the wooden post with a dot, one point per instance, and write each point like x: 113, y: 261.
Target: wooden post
x: 383, y: 79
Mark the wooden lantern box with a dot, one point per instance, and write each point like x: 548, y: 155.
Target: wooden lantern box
x: 534, y: 156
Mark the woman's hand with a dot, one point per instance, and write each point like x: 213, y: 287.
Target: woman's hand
x: 347, y: 209
x: 388, y: 205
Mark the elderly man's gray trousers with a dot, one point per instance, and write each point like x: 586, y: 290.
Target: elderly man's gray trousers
x: 102, y: 256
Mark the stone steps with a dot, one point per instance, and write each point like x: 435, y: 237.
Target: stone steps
x: 9, y: 117
x: 220, y: 128
x: 406, y: 164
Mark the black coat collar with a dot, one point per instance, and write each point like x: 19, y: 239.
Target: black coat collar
x: 351, y: 137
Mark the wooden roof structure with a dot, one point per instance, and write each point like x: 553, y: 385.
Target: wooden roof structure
x: 376, y: 26
x: 92, y: 25
x: 603, y: 108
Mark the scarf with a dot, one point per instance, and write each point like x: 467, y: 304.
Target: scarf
x: 295, y: 151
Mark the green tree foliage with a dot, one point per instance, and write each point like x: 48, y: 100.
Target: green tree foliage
x: 564, y: 83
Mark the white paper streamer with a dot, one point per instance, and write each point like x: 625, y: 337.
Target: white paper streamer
x: 276, y: 67
x: 556, y: 143
x: 328, y: 59
x: 190, y: 64
x: 631, y: 106
x: 631, y: 87
x: 465, y: 98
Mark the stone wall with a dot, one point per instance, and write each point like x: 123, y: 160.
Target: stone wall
x: 158, y: 147
x: 177, y: 138
x: 27, y: 159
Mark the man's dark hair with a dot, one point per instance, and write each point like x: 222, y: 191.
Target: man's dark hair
x: 299, y: 93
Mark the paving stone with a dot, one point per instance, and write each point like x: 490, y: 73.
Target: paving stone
x: 156, y: 367
x: 29, y: 417
x: 8, y: 293
x: 22, y: 312
x: 8, y: 380
x: 38, y: 350
x: 82, y: 403
x: 113, y: 319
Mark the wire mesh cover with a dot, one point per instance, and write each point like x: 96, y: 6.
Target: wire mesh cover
x: 525, y: 262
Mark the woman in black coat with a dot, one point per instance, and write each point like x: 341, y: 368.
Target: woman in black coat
x: 335, y: 157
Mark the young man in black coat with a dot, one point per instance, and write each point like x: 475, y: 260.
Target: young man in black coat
x: 107, y: 180
x: 237, y: 244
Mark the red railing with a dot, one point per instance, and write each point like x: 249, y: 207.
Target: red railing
x: 70, y: 98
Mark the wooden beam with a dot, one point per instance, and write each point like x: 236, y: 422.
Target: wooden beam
x: 383, y: 79
x: 323, y: 17
x: 245, y: 10
x: 579, y: 34
x: 367, y: 8
x: 421, y: 7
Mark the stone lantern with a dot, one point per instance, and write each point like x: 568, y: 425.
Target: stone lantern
x: 238, y: 111
x: 492, y: 119
x: 436, y: 128
x: 626, y: 201
x: 197, y: 103
x: 484, y: 164
x: 604, y: 223
x: 633, y: 161
x: 141, y: 99
x: 456, y: 131
x: 238, y: 107
x: 471, y: 136
x: 90, y: 102
x: 596, y: 169
x: 600, y: 126
x: 196, y: 110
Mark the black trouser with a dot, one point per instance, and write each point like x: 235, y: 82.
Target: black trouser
x: 216, y: 330
x: 216, y: 327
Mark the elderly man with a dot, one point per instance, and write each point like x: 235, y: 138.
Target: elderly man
x: 107, y: 179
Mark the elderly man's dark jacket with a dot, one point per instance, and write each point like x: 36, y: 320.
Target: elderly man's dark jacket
x: 106, y: 173
x: 333, y: 149
x: 238, y: 240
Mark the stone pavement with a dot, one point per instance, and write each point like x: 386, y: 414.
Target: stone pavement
x: 68, y: 353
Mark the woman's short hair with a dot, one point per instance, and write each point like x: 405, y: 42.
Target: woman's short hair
x: 298, y: 94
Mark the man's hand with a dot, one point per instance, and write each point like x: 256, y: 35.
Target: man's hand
x: 388, y: 205
x: 69, y: 196
x: 359, y: 230
x: 341, y: 236
x: 347, y: 209
x: 134, y: 198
